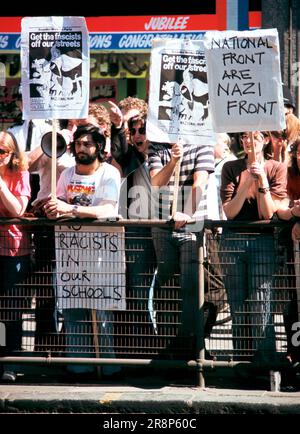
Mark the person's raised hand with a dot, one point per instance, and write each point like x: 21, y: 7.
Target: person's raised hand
x: 116, y: 115
x: 177, y: 151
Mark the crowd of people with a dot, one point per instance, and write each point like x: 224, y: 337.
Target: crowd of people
x: 110, y: 169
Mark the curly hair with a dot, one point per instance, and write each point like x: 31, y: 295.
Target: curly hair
x: 130, y: 103
x: 18, y: 160
x: 101, y: 114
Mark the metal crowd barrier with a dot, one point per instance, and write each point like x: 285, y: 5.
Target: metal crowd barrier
x: 93, y: 296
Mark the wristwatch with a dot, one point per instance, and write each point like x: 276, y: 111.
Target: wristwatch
x: 263, y: 190
x: 75, y: 210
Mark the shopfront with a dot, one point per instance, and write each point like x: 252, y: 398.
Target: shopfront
x: 119, y: 51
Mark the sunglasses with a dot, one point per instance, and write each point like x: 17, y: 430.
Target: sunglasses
x: 141, y: 130
x: 255, y: 136
x: 3, y: 152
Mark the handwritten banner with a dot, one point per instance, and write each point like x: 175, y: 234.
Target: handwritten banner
x: 90, y: 267
x: 244, y: 80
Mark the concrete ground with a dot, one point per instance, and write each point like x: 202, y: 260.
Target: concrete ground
x: 146, y: 391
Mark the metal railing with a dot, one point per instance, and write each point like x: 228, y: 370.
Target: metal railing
x: 96, y: 295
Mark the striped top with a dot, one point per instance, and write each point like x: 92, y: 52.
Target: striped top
x: 195, y: 159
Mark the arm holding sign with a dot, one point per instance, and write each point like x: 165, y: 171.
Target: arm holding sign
x: 58, y: 208
x: 252, y: 189
x: 160, y: 177
x: 92, y: 187
x: 234, y: 201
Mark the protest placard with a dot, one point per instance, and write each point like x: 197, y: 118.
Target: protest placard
x: 55, y: 67
x: 178, y: 93
x: 244, y: 80
x: 90, y: 267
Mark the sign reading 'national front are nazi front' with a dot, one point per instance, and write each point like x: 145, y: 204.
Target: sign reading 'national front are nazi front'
x: 244, y: 80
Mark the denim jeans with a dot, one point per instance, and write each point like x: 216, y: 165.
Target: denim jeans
x: 80, y: 338
x: 13, y: 300
x: 248, y: 262
x: 140, y: 269
x: 177, y: 256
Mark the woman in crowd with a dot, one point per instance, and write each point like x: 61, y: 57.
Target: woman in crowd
x: 290, y: 210
x: 252, y: 188
x: 14, y: 243
x: 281, y: 141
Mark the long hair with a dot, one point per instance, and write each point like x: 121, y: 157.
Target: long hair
x: 97, y: 136
x: 293, y: 172
x: 293, y: 157
x: 268, y: 147
x: 18, y: 160
x: 292, y: 127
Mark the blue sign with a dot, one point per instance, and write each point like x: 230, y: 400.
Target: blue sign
x: 109, y: 41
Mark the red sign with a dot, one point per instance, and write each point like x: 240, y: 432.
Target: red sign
x: 103, y: 90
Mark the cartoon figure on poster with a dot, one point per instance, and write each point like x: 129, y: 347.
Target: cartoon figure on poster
x: 184, y: 93
x: 58, y: 74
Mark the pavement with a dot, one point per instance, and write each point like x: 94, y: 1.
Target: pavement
x: 144, y: 391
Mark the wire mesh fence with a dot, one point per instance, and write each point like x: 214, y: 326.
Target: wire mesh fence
x: 133, y: 291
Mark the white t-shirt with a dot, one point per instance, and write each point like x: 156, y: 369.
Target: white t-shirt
x: 90, y: 190
x: 43, y: 168
x: 40, y: 127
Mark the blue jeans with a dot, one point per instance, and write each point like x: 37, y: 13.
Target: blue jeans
x: 248, y: 262
x: 140, y: 269
x: 81, y: 339
x: 177, y: 257
x: 13, y: 300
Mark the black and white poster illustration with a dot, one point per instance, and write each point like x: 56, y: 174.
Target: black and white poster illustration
x: 244, y: 78
x: 55, y: 67
x: 178, y: 95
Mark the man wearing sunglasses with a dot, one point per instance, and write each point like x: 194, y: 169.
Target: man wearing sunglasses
x: 133, y: 159
x: 135, y: 203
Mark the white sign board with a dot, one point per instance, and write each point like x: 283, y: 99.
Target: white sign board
x: 55, y: 68
x: 244, y: 80
x: 90, y: 267
x: 178, y: 94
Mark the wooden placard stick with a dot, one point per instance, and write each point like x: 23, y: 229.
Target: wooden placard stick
x: 251, y: 154
x: 53, y: 159
x: 96, y: 341
x: 176, y: 186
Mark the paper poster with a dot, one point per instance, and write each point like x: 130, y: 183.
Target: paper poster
x: 178, y: 93
x: 90, y: 267
x: 244, y: 80
x: 55, y: 68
